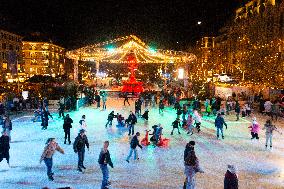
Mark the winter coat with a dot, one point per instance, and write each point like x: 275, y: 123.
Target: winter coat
x: 196, y: 117
x: 145, y: 115
x: 175, y: 124
x: 110, y: 116
x: 161, y: 105
x: 135, y: 142
x: 104, y: 158
x: 132, y: 119
x: 187, y: 151
x: 269, y: 129
x: 255, y: 127
x: 80, y: 143
x: 189, y: 121
x: 237, y: 108
x: 7, y: 124
x: 49, y: 150
x: 67, y: 123
x: 219, y: 122
x: 4, y: 147
x: 231, y: 181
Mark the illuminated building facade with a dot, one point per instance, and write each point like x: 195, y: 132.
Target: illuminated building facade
x: 43, y: 58
x: 10, y: 54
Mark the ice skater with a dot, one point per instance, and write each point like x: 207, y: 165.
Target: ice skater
x: 131, y: 120
x: 161, y: 107
x: 237, y: 110
x: 44, y: 118
x: 5, y: 147
x: 269, y: 128
x: 110, y: 118
x: 7, y: 126
x: 104, y: 160
x: 189, y: 123
x: 254, y: 129
x: 146, y: 115
x: 219, y: 122
x: 176, y: 125
x: 67, y: 125
x: 82, y: 123
x: 126, y: 99
x: 133, y: 145
x: 231, y: 178
x: 197, y: 119
x: 79, y: 147
x: 49, y: 150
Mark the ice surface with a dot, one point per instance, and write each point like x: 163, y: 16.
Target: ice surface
x: 158, y: 168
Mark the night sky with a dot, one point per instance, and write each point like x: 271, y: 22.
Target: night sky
x: 161, y: 23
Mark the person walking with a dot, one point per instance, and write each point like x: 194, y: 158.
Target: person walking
x: 132, y: 120
x: 191, y: 168
x: 44, y: 119
x: 79, y: 147
x: 98, y: 99
x: 104, y: 98
x: 67, y: 125
x: 7, y: 126
x: 49, y: 150
x: 219, y: 122
x: 133, y: 145
x: 176, y: 125
x: 110, y: 118
x: 197, y: 118
x: 231, y: 178
x: 61, y: 110
x: 104, y: 160
x: 269, y: 128
x: 189, y: 123
x: 188, y: 149
x: 254, y: 129
x: 5, y: 147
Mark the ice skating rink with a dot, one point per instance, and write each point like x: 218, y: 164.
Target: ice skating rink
x: 158, y: 168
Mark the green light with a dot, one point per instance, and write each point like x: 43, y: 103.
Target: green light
x: 152, y: 50
x: 110, y: 48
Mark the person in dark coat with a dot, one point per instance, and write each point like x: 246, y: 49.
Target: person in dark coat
x: 79, y: 147
x: 231, y: 178
x: 146, y: 115
x: 5, y: 147
x: 176, y: 125
x: 188, y: 149
x: 110, y: 118
x: 237, y: 110
x: 219, y: 123
x: 61, y: 110
x: 133, y: 145
x: 67, y: 125
x: 44, y: 119
x: 132, y: 120
x: 126, y: 99
x: 104, y: 160
x: 98, y: 99
x: 161, y: 106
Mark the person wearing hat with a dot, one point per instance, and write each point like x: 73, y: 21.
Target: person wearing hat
x: 219, y: 122
x: 79, y: 147
x: 133, y: 145
x: 254, y: 129
x: 176, y: 125
x: 231, y: 178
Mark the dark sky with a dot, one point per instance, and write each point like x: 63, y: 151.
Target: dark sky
x: 74, y: 23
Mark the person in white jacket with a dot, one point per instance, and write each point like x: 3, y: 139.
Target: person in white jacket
x: 82, y: 123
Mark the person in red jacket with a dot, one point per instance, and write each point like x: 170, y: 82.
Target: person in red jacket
x: 231, y: 178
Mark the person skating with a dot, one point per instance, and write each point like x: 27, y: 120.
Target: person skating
x: 219, y: 123
x: 237, y: 110
x: 104, y: 98
x: 7, y: 126
x: 191, y: 168
x: 5, y: 147
x: 61, y: 110
x: 254, y: 129
x: 104, y: 160
x: 269, y: 128
x: 133, y: 145
x: 197, y: 119
x: 132, y: 120
x: 49, y: 150
x: 98, y: 99
x: 176, y: 125
x: 67, y: 125
x: 161, y: 106
x: 82, y: 123
x: 189, y: 123
x: 126, y: 99
x: 44, y: 118
x: 110, y: 118
x: 146, y: 115
x: 79, y: 147
x: 231, y: 178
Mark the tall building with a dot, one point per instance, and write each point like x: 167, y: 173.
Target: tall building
x: 43, y: 58
x: 11, y: 64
